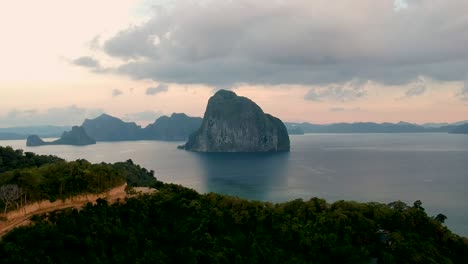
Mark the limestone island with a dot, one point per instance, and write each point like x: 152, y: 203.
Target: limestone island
x: 77, y: 137
x: 236, y: 124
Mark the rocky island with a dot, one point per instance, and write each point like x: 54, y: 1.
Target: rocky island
x: 236, y: 124
x: 77, y: 137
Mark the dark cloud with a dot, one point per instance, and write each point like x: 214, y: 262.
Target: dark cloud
x: 116, y: 92
x: 86, y: 61
x: 222, y: 42
x: 349, y: 91
x: 71, y: 115
x: 158, y: 89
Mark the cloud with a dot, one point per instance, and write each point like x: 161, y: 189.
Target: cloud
x: 342, y: 109
x: 223, y: 42
x: 158, y: 89
x: 116, y: 92
x: 463, y: 92
x: 349, y: 91
x: 418, y: 88
x: 70, y: 115
x: 145, y: 116
x: 86, y: 61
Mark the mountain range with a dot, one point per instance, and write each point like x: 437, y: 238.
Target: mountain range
x: 370, y: 127
x: 178, y: 127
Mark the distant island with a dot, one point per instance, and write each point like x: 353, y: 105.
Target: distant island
x: 462, y: 129
x: 236, y: 124
x: 371, y: 127
x: 177, y: 127
x: 76, y: 137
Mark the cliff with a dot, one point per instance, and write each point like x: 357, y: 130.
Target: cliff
x: 236, y: 124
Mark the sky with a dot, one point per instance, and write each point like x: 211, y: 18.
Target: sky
x: 315, y: 61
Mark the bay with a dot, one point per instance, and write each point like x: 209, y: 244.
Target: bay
x: 431, y: 167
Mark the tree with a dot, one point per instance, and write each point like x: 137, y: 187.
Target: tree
x: 440, y: 218
x: 9, y: 194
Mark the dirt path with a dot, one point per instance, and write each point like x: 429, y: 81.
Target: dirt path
x: 21, y: 216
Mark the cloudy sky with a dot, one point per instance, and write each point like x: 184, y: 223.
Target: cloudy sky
x: 318, y: 61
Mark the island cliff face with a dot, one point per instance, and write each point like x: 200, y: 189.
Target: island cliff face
x: 77, y: 137
x: 236, y: 124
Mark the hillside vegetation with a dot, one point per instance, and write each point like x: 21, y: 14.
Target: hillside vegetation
x: 179, y: 225
x: 27, y: 178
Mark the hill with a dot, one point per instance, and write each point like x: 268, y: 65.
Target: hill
x: 178, y: 225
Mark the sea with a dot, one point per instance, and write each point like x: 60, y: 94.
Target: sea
x: 431, y: 167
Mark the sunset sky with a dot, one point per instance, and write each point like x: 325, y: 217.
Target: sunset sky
x: 317, y: 61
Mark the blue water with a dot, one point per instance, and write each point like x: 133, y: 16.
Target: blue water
x: 429, y: 167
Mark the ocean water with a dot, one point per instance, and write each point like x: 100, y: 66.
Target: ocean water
x: 431, y: 167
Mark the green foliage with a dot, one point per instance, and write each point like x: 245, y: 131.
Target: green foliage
x: 11, y: 159
x: 51, y: 178
x: 136, y: 175
x: 178, y: 225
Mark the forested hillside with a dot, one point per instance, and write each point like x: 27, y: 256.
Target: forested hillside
x: 11, y: 159
x: 27, y: 178
x: 178, y: 225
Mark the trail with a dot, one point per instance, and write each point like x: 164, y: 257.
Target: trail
x: 23, y: 215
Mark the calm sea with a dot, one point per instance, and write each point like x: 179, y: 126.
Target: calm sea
x: 429, y: 167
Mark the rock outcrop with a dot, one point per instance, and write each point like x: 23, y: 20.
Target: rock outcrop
x: 34, y: 141
x: 76, y: 137
x: 236, y: 124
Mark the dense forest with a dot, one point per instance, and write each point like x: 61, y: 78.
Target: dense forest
x: 27, y: 177
x: 179, y: 225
